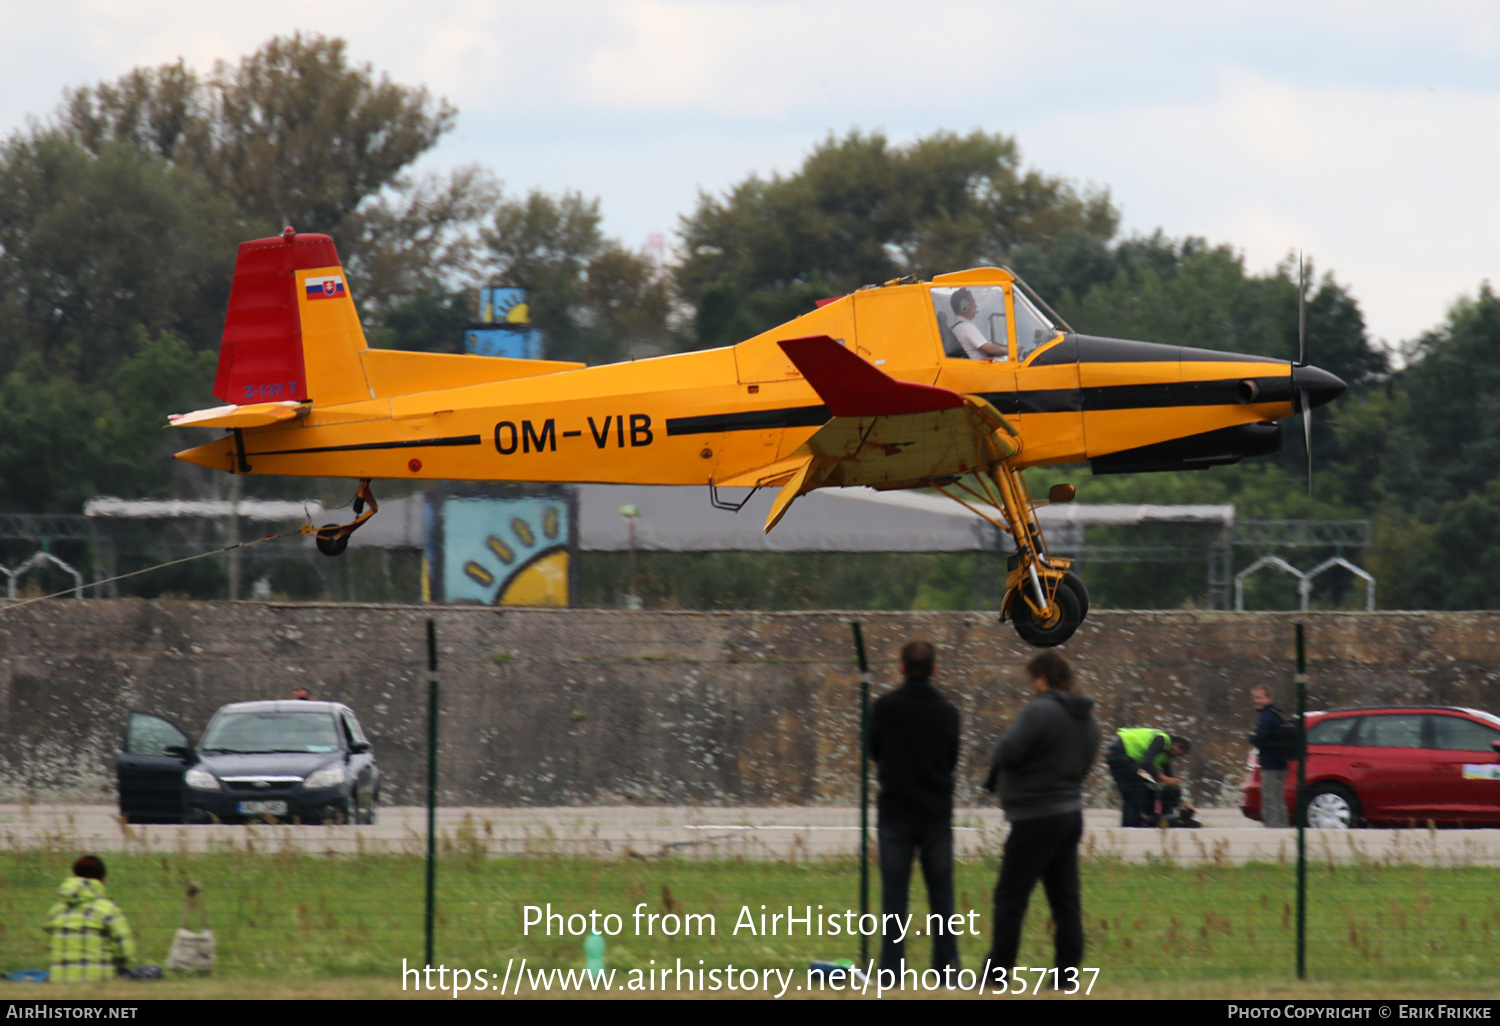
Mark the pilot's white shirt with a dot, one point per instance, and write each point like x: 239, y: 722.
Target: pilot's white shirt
x: 972, y: 340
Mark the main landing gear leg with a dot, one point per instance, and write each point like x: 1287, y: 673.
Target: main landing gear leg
x: 1044, y: 598
x: 333, y: 539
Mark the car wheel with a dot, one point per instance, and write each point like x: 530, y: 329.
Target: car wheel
x: 363, y: 815
x: 1332, y: 807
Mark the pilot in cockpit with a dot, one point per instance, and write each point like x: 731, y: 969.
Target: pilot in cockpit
x: 976, y: 346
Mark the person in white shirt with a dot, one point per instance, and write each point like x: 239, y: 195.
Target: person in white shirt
x: 976, y: 346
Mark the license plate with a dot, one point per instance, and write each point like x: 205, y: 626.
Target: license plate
x: 262, y: 808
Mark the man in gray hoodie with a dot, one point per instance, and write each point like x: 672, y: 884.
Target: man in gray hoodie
x: 1037, y: 770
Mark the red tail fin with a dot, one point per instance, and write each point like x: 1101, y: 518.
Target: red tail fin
x: 271, y: 348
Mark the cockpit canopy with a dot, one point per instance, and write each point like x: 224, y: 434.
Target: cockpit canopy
x: 975, y: 322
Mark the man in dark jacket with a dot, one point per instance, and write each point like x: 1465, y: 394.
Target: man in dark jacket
x: 1037, y: 770
x: 914, y: 742
x: 1273, y: 757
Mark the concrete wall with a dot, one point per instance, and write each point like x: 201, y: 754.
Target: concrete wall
x: 589, y: 706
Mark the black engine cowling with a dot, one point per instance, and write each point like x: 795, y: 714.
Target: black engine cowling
x: 1195, y: 452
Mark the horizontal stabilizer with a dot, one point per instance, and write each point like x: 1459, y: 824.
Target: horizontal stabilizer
x: 852, y: 387
x: 256, y: 415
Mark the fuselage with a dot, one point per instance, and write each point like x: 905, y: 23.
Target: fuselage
x: 728, y: 416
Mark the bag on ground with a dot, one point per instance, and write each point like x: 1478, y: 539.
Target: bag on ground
x: 193, y: 950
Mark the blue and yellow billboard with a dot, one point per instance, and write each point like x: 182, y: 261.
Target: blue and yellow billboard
x: 509, y: 548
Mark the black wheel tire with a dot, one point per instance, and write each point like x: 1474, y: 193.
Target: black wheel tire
x: 331, y: 542
x: 1034, y: 633
x: 1332, y: 807
x: 364, y: 815
x: 373, y: 815
x: 1072, y: 580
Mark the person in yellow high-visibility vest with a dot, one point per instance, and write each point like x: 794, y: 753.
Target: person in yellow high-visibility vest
x: 1140, y: 758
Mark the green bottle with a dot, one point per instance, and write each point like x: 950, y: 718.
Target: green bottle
x: 593, y: 954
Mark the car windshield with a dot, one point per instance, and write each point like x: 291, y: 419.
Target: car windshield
x: 272, y: 732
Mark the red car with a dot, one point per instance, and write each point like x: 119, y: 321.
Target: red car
x: 1395, y: 766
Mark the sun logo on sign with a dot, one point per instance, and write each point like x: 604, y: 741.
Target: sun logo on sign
x: 521, y: 557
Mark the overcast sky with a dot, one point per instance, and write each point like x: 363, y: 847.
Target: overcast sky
x: 1362, y: 132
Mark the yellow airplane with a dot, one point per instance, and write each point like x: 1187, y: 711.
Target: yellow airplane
x: 958, y: 384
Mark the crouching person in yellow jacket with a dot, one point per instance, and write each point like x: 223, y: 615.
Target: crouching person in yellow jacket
x: 91, y: 937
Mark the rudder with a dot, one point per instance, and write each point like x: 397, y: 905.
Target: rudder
x: 292, y: 332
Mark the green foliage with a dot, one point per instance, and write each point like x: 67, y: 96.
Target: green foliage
x: 61, y: 443
x: 592, y: 299
x: 430, y: 322
x: 418, y: 238
x: 1452, y: 394
x: 95, y: 247
x: 1460, y: 559
x: 294, y: 133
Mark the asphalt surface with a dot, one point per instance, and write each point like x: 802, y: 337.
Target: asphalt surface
x: 713, y: 832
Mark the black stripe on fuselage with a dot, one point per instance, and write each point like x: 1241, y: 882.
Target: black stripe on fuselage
x: 1095, y: 349
x: 1223, y: 392
x: 1156, y: 395
x: 750, y: 420
x: 411, y: 443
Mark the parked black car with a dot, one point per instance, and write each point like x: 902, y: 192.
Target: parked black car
x: 293, y: 761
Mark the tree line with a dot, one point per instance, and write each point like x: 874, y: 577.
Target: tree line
x: 120, y: 212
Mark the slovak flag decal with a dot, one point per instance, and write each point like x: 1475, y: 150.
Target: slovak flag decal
x: 327, y: 287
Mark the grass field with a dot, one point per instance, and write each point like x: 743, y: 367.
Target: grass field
x: 296, y: 925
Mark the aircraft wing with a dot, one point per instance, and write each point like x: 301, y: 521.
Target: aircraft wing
x: 886, y: 433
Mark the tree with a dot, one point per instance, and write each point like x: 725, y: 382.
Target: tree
x: 97, y: 246
x: 420, y: 239
x: 62, y: 442
x: 294, y: 133
x: 1449, y: 438
x: 1459, y: 556
x: 592, y: 299
x: 861, y: 211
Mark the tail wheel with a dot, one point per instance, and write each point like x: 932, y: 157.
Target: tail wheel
x: 332, y: 541
x: 1332, y: 807
x: 1069, y: 615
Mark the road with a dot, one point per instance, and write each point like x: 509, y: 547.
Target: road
x: 713, y: 832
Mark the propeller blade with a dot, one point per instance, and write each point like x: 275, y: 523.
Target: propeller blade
x: 1307, y: 437
x: 1301, y: 314
x: 1304, y: 400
